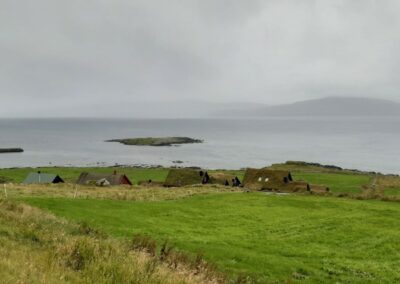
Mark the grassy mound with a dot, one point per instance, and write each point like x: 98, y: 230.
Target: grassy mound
x: 182, y: 177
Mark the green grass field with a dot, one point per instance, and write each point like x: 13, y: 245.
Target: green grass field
x: 392, y: 191
x: 36, y: 247
x: 273, y: 238
x: 276, y: 238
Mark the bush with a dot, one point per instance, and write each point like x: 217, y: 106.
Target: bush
x: 5, y: 179
x: 85, y: 229
x: 144, y: 243
x: 79, y: 254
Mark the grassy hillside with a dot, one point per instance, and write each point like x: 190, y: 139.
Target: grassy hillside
x: 295, y: 238
x: 276, y: 238
x: 36, y: 247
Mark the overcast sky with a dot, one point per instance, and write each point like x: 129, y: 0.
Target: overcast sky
x: 66, y: 57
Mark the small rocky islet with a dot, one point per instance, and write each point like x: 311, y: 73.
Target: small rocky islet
x: 156, y: 141
x: 11, y: 150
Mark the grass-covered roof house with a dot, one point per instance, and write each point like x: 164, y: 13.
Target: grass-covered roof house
x: 272, y: 180
x: 184, y: 177
x: 103, y: 179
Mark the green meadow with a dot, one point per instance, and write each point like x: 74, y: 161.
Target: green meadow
x: 273, y: 238
x: 254, y: 237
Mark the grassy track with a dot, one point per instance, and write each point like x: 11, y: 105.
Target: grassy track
x: 278, y: 238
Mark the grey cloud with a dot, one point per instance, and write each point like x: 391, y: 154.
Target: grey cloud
x: 77, y: 52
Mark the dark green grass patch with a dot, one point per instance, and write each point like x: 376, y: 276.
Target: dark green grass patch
x: 278, y: 238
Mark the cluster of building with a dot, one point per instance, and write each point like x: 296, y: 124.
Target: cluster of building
x: 85, y: 178
x: 264, y: 179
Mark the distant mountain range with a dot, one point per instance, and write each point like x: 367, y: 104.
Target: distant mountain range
x: 332, y: 106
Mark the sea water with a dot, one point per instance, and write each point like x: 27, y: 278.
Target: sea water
x: 363, y: 143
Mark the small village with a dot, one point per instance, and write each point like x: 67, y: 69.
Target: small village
x: 264, y: 179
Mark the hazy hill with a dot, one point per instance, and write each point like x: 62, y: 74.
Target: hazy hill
x: 332, y: 106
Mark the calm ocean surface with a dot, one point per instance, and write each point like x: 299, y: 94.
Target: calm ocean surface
x: 362, y: 143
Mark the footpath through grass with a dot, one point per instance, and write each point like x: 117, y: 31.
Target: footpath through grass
x: 277, y: 238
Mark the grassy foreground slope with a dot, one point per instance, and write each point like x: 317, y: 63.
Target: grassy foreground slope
x: 277, y: 238
x: 36, y: 247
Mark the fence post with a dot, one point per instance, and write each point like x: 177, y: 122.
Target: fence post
x: 76, y: 190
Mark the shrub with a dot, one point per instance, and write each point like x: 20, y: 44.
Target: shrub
x: 85, y: 229
x: 79, y: 253
x: 143, y: 243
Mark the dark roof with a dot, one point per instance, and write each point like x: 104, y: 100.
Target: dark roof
x: 113, y: 179
x: 42, y: 178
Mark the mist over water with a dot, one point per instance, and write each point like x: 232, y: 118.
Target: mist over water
x: 361, y: 143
